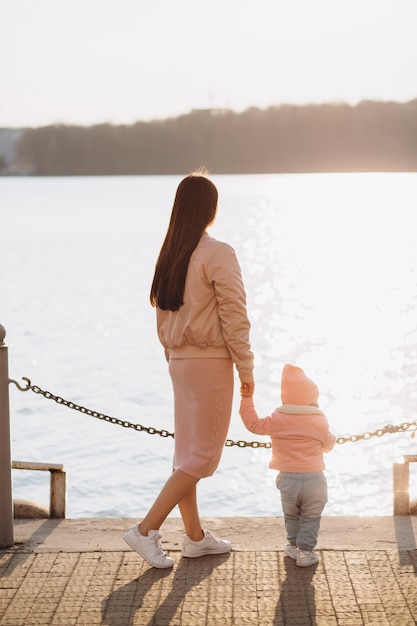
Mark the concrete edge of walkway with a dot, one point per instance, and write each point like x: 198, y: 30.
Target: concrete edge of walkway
x: 247, y: 534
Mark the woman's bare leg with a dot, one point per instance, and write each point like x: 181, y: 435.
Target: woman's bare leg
x: 189, y: 512
x: 180, y: 489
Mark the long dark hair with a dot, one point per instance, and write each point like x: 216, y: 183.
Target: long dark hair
x: 194, y: 209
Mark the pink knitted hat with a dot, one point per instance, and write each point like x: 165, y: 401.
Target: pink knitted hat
x: 297, y: 388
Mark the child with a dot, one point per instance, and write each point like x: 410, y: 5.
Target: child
x: 299, y: 435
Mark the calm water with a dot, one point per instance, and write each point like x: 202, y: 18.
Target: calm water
x: 329, y: 262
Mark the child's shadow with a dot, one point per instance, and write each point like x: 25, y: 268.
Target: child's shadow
x: 122, y: 605
x: 296, y: 602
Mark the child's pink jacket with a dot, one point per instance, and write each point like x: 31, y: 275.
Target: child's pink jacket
x: 299, y: 435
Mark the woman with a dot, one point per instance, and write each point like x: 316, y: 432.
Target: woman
x: 203, y: 326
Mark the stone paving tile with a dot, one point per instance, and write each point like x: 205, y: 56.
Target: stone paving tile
x: 346, y: 588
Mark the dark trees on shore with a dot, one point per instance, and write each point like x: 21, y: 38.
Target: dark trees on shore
x: 371, y: 136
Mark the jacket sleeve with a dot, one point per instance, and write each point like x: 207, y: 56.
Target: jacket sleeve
x: 226, y: 278
x: 329, y: 440
x: 254, y: 423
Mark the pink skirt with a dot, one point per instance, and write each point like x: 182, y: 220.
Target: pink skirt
x: 203, y: 396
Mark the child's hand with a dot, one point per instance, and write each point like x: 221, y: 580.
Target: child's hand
x: 247, y: 389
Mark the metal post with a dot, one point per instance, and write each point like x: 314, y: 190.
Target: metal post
x: 6, y: 501
x: 401, y: 485
x: 57, y: 495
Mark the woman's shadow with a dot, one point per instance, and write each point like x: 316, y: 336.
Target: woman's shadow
x: 296, y: 604
x: 143, y: 593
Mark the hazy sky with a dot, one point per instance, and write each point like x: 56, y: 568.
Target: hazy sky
x: 92, y: 61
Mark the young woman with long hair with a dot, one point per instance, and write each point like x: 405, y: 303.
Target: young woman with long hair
x: 202, y: 323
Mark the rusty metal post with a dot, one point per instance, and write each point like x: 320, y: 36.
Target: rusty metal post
x: 401, y: 485
x: 6, y: 501
x: 57, y: 494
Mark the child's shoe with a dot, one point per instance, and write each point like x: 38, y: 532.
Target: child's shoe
x: 291, y: 551
x: 306, y: 558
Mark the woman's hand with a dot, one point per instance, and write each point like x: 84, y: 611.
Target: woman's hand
x: 247, y: 389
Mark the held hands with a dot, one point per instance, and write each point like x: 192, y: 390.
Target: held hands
x: 247, y: 389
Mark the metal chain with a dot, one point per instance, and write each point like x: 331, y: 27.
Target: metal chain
x: 126, y: 424
x: 389, y: 429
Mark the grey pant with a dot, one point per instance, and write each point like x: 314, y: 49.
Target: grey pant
x: 303, y: 498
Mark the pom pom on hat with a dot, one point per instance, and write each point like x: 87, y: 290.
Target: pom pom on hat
x: 297, y: 388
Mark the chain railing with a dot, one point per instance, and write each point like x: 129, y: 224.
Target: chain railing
x: 380, y: 432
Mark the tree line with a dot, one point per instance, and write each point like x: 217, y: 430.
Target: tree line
x: 370, y: 136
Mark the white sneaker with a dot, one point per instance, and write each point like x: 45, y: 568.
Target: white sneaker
x: 291, y: 551
x: 207, y: 545
x: 148, y: 546
x: 306, y: 558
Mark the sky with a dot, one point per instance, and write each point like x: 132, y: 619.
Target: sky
x: 119, y: 61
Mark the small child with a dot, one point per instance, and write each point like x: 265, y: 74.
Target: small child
x: 299, y: 435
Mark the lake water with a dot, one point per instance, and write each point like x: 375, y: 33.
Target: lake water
x: 329, y: 263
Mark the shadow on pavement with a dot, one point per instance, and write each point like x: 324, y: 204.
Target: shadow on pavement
x: 297, y: 598
x: 27, y: 547
x: 406, y: 540
x: 121, y: 606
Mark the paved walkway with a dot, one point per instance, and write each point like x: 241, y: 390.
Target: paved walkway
x: 67, y: 572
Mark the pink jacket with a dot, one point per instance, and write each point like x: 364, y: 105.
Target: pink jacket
x: 212, y: 322
x: 299, y: 435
